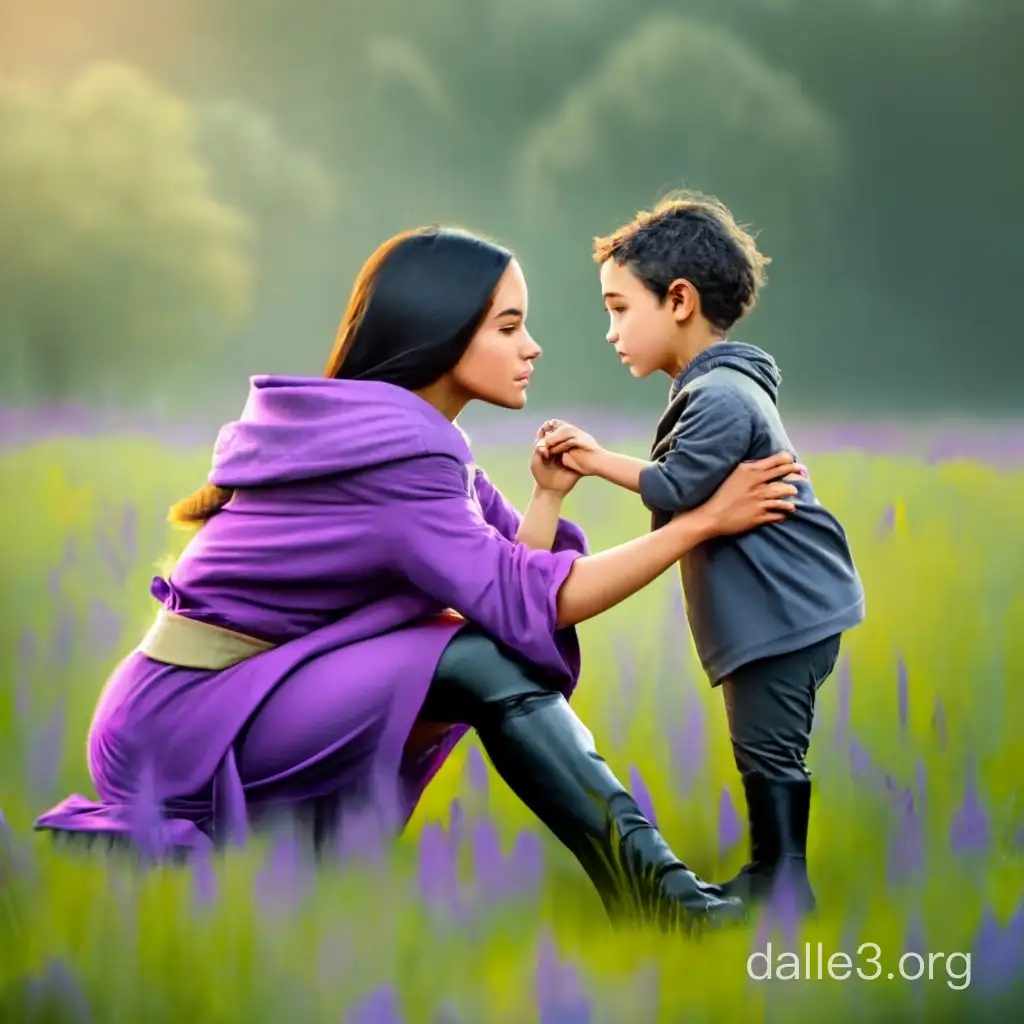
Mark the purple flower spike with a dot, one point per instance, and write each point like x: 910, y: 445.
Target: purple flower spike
x: 642, y: 795
x: 204, y: 881
x: 45, y: 753
x: 860, y: 760
x: 62, y: 986
x: 438, y: 868
x: 689, y: 745
x: 456, y: 822
x: 969, y: 830
x: 561, y: 998
x: 488, y: 861
x: 146, y: 815
x: 997, y: 954
x: 282, y: 881
x: 902, y: 696
x: 730, y: 828
x: 381, y: 1006
x: 527, y: 862
x: 62, y: 645
x: 477, y: 770
x: 906, y: 851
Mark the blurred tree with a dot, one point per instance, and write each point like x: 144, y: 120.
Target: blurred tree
x: 133, y: 226
x: 679, y: 103
x: 117, y: 257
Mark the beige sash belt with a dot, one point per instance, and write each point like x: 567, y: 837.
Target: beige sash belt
x: 188, y: 643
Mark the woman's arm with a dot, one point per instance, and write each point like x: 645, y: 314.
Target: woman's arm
x: 500, y: 513
x: 438, y: 539
x: 539, y: 524
x: 749, y: 497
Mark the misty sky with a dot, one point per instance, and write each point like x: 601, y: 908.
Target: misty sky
x: 187, y: 189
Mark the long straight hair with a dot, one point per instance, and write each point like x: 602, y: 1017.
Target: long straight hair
x: 414, y: 308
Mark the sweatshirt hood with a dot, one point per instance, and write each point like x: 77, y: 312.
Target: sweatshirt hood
x: 301, y: 428
x: 736, y: 355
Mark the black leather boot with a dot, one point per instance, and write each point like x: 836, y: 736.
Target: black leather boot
x: 547, y: 757
x: 778, y: 814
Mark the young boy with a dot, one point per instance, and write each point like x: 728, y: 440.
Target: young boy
x: 766, y: 609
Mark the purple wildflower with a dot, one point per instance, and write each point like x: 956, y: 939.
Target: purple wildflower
x: 688, y: 745
x: 477, y: 770
x: 730, y: 828
x: 998, y: 952
x: 906, y: 850
x: 438, y: 868
x: 130, y: 533
x: 642, y: 794
x: 45, y: 753
x: 62, y: 644
x: 456, y: 821
x: 105, y: 627
x: 968, y: 829
x: 146, y: 814
x: 283, y: 879
x: 204, y: 881
x: 62, y: 986
x: 381, y: 1006
x: 860, y: 761
x: 526, y: 862
x: 561, y: 998
x: 488, y: 860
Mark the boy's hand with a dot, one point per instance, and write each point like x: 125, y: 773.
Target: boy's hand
x: 576, y: 447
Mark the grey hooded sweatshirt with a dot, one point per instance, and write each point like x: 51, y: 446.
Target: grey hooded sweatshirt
x: 775, y: 589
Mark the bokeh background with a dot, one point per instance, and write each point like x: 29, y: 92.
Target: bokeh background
x: 186, y: 192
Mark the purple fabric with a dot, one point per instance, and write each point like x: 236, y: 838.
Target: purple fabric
x: 360, y: 520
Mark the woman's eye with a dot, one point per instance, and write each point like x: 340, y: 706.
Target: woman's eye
x: 509, y: 329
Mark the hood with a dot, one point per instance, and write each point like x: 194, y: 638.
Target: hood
x: 736, y: 355
x: 301, y: 428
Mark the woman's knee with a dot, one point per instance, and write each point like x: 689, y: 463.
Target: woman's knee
x: 474, y: 675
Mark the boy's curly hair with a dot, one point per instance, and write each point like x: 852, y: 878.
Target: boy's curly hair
x: 694, y: 237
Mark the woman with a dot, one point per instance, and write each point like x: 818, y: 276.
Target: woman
x: 359, y: 595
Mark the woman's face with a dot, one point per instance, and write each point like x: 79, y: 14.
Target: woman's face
x: 497, y: 366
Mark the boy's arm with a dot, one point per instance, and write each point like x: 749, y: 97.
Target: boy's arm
x: 713, y: 437
x: 621, y: 470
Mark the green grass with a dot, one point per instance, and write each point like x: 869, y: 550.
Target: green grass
x: 254, y: 938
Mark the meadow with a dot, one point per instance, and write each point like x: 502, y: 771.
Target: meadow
x: 917, y: 840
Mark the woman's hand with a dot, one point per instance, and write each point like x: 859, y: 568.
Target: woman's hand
x: 549, y: 472
x: 753, y: 494
x: 576, y: 447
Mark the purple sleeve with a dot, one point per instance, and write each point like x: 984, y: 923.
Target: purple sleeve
x: 442, y: 544
x: 503, y: 516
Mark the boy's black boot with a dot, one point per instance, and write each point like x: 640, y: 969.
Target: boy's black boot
x: 778, y: 814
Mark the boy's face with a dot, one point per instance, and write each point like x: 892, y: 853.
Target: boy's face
x: 644, y: 331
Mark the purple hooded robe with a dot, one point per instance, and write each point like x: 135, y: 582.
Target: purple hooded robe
x: 358, y: 520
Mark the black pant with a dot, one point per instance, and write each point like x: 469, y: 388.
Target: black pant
x: 770, y: 707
